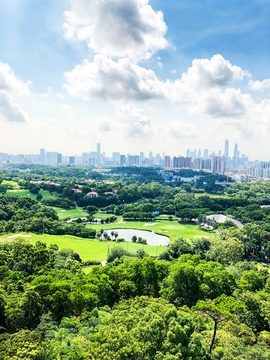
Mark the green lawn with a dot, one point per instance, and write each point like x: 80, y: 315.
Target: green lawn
x: 90, y: 249
x: 10, y: 184
x: 46, y: 195
x: 173, y: 229
x: 211, y: 195
x: 70, y: 214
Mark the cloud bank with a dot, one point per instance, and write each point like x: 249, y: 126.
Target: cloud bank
x: 117, y: 28
x: 10, y: 85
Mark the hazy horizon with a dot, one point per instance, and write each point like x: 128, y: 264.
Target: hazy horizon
x: 134, y: 75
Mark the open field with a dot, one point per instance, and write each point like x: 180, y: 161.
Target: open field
x: 173, y: 229
x: 89, y: 249
x: 10, y: 184
x: 46, y: 195
x: 211, y: 195
x: 70, y: 214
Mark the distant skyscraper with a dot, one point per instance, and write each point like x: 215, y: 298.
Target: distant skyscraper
x: 59, y: 159
x: 188, y: 153
x: 98, y: 150
x: 235, y: 151
x: 71, y: 160
x: 226, y: 148
x: 195, y: 153
x: 199, y: 153
x: 163, y: 154
x: 122, y: 160
x: 150, y: 155
x: 141, y: 155
x: 205, y: 153
x: 167, y: 161
x: 42, y: 155
x: 219, y: 152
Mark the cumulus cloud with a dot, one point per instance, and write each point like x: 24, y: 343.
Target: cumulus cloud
x: 111, y: 80
x: 9, y: 82
x: 9, y: 110
x: 178, y: 130
x: 117, y: 28
x: 204, y: 86
x: 259, y: 85
x: 132, y: 120
x: 11, y: 85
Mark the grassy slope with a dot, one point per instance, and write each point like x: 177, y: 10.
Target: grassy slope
x: 46, y: 195
x: 70, y: 214
x: 91, y: 249
x: 175, y: 230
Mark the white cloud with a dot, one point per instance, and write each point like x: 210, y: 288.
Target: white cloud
x: 259, y: 85
x: 9, y: 110
x: 160, y: 65
x: 132, y: 121
x: 112, y: 80
x: 11, y: 85
x: 9, y: 82
x: 178, y: 130
x: 205, y: 85
x: 173, y: 71
x: 117, y: 28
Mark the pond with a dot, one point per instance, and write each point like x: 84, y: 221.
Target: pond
x: 150, y: 237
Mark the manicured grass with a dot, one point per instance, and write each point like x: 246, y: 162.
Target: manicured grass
x: 10, y: 184
x: 90, y: 249
x: 46, y: 195
x: 211, y: 195
x: 173, y: 229
x: 70, y: 214
x: 103, y: 216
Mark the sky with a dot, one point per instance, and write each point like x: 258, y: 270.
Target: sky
x: 135, y: 75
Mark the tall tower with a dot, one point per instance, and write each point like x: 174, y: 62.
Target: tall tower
x: 199, y: 154
x: 226, y: 148
x: 236, y: 153
x: 98, y: 150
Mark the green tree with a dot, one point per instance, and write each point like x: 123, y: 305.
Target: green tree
x: 219, y: 310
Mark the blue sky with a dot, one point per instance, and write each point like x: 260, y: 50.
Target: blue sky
x: 77, y: 72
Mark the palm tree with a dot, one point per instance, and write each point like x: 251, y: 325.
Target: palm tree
x: 116, y: 235
x: 112, y: 233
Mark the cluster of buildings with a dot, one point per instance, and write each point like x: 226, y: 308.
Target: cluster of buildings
x: 197, y: 160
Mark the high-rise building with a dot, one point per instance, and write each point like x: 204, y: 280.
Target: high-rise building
x: 197, y: 164
x: 218, y: 164
x: 98, y: 150
x: 199, y: 154
x: 219, y: 152
x: 59, y: 159
x: 205, y: 154
x: 71, y: 160
x: 226, y: 148
x: 188, y: 153
x: 167, y: 161
x: 150, y: 155
x: 235, y: 154
x: 116, y: 156
x: 133, y: 160
x: 141, y: 155
x: 42, y: 155
x: 122, y: 160
x: 182, y: 162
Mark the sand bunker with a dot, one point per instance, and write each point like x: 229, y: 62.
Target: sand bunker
x: 150, y: 224
x: 163, y: 230
x: 16, y: 235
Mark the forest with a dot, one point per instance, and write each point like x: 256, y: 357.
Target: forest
x: 203, y: 298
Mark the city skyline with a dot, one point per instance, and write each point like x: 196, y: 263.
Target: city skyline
x: 163, y: 73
